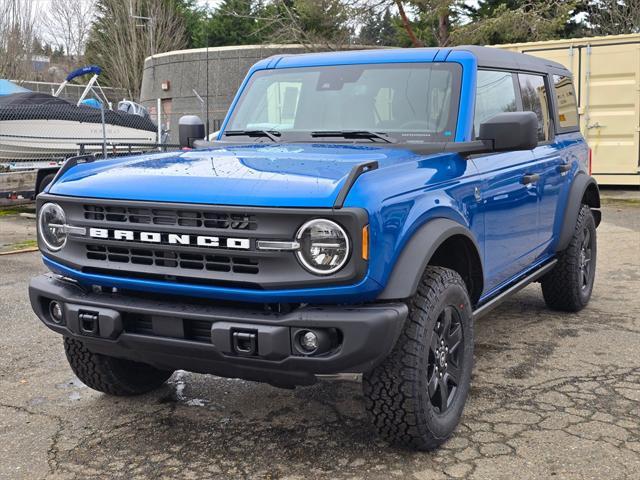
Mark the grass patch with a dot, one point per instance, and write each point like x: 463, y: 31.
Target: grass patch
x: 19, y: 246
x: 18, y: 209
x: 630, y: 202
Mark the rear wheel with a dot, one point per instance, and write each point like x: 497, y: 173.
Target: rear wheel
x: 416, y: 396
x: 569, y: 285
x: 114, y: 376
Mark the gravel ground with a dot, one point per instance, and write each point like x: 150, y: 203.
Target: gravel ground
x: 553, y: 395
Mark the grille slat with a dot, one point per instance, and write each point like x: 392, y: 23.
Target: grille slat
x: 169, y: 217
x: 172, y: 259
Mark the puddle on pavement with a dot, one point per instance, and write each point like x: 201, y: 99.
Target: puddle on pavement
x: 177, y: 383
x: 72, y: 384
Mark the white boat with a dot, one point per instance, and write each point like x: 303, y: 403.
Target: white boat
x: 36, y: 126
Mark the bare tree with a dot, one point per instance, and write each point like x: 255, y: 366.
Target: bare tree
x: 120, y: 42
x: 314, y: 24
x: 67, y: 23
x: 17, y: 33
x: 614, y: 17
x: 533, y: 21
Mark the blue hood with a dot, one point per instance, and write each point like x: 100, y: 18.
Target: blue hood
x: 288, y: 175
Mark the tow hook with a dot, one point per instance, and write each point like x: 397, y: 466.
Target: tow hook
x: 245, y: 343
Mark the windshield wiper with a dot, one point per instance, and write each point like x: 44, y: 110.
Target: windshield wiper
x: 270, y: 134
x: 355, y: 134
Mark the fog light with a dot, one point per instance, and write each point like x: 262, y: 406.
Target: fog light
x: 55, y: 309
x: 309, y: 341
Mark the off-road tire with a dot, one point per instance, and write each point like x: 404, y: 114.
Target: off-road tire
x: 44, y: 183
x: 563, y: 287
x: 111, y: 375
x: 396, y: 391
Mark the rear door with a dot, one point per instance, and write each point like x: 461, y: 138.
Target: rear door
x: 550, y: 169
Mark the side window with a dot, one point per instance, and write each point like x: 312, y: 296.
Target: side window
x: 534, y: 99
x: 567, y: 102
x: 495, y: 94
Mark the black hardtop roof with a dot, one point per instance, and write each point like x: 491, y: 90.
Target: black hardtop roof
x: 490, y: 57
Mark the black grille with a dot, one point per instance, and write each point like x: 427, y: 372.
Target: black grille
x: 180, y: 260
x: 172, y: 259
x: 181, y: 218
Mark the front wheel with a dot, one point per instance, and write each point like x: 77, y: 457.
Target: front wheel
x: 569, y: 285
x: 111, y: 375
x: 416, y: 396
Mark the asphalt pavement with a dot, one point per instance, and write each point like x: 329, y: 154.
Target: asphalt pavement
x: 553, y: 396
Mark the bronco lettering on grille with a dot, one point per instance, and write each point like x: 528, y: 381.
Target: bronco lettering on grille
x: 171, y: 238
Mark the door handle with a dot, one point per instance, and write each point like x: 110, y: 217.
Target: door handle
x: 564, y: 168
x: 531, y: 178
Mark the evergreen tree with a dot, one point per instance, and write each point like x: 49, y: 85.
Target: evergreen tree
x: 388, y: 29
x: 379, y: 28
x: 232, y: 23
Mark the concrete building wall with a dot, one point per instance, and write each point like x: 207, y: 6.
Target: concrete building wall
x: 184, y: 71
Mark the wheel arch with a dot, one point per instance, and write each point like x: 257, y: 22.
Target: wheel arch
x: 584, y: 190
x: 41, y: 175
x: 439, y: 242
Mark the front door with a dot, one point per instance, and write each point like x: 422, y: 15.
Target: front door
x: 510, y: 202
x: 509, y: 197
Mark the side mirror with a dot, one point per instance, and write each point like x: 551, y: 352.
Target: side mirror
x: 191, y: 128
x: 510, y: 131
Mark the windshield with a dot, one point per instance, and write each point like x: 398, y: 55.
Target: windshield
x: 414, y: 102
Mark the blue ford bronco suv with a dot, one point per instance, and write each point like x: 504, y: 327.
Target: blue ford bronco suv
x: 356, y: 213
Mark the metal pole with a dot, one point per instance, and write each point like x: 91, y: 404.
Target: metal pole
x: 207, y: 80
x: 159, y: 108
x: 104, y: 132
x: 587, y: 88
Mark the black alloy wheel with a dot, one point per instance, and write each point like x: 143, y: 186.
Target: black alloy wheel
x: 445, y: 359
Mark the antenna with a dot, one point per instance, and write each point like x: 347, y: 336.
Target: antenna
x: 149, y: 24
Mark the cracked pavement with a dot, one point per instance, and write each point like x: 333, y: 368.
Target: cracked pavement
x: 553, y: 395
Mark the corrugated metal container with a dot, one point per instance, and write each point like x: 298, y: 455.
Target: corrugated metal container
x: 606, y: 73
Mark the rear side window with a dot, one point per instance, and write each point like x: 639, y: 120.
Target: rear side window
x: 495, y: 94
x: 534, y: 99
x: 567, y: 103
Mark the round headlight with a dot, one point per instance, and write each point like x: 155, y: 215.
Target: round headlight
x: 51, y: 225
x: 324, y: 246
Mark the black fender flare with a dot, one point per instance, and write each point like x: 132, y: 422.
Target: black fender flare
x: 42, y: 173
x: 416, y: 254
x: 581, y: 183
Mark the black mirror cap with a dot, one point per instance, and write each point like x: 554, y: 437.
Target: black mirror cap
x: 510, y: 131
x: 191, y: 128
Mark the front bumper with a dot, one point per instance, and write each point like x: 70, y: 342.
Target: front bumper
x: 200, y: 336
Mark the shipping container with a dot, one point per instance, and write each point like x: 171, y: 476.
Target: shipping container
x: 606, y: 73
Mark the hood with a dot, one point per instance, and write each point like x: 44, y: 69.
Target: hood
x: 293, y: 175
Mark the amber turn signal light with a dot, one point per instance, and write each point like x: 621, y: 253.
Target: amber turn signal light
x: 365, y: 242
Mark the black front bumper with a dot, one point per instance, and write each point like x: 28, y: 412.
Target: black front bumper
x: 200, y: 337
